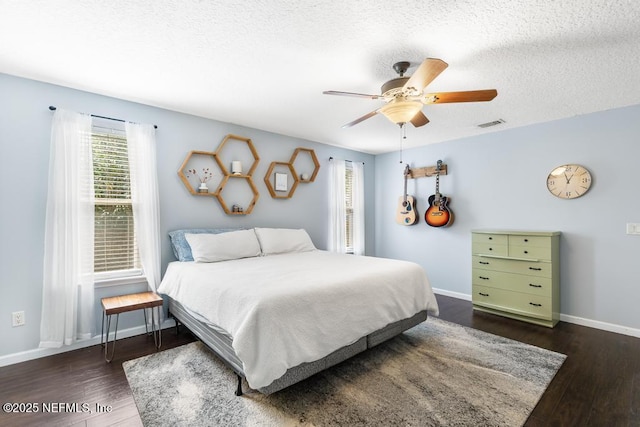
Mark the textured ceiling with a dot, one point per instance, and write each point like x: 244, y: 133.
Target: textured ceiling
x: 264, y: 64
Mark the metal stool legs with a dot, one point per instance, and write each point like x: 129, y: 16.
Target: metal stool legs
x: 157, y: 332
x: 104, y: 337
x: 105, y: 341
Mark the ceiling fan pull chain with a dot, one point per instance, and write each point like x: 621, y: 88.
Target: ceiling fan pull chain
x: 403, y: 135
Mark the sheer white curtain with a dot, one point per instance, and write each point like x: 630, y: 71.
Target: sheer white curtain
x: 357, y: 200
x: 67, y: 296
x: 141, y: 142
x: 337, y: 207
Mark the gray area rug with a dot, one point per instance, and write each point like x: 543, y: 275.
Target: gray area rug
x: 436, y: 374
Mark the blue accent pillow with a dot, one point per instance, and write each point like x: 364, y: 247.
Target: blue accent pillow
x: 180, y: 246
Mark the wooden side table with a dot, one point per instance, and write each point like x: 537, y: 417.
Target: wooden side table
x: 123, y: 303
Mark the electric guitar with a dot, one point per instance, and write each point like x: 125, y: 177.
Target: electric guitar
x: 406, y: 212
x: 438, y: 214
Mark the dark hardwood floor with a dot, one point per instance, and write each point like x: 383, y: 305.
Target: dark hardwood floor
x: 598, y: 385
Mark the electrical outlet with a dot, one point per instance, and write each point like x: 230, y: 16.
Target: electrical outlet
x: 17, y: 318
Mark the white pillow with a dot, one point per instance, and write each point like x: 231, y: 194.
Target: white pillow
x: 283, y: 240
x: 223, y: 246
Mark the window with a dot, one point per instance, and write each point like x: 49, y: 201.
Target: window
x: 346, y: 207
x: 116, y: 250
x: 101, y: 236
x: 348, y: 200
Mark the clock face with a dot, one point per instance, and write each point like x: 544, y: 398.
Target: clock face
x: 569, y: 181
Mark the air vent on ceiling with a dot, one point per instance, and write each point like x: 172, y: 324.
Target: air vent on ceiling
x: 489, y: 124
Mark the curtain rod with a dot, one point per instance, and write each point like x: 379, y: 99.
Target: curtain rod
x: 52, y: 108
x: 331, y: 158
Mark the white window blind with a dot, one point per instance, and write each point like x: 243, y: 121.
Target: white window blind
x: 348, y: 199
x: 116, y: 251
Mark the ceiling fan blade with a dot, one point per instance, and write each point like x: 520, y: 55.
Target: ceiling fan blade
x: 361, y: 119
x: 357, y: 95
x: 465, y: 96
x: 426, y: 72
x: 419, y: 119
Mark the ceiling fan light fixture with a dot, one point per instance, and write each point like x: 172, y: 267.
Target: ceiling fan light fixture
x: 399, y: 112
x: 405, y: 96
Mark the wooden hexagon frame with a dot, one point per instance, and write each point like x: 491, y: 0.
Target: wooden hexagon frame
x: 267, y: 180
x: 254, y: 191
x: 314, y: 159
x: 254, y: 153
x: 184, y: 178
x: 228, y: 175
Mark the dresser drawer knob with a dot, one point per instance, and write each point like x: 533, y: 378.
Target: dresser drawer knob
x: 490, y: 238
x: 490, y: 249
x: 535, y: 268
x: 535, y: 305
x: 483, y: 262
x: 526, y: 252
x: 483, y: 278
x: 484, y: 295
x: 526, y: 240
x: 535, y: 286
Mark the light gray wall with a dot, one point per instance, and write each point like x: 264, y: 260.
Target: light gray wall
x: 495, y: 181
x: 25, y: 124
x: 498, y: 180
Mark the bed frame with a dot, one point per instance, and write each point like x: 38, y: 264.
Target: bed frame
x: 220, y: 343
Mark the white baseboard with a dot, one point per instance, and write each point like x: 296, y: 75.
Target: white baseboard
x: 610, y: 327
x: 37, y: 353
x: 451, y: 294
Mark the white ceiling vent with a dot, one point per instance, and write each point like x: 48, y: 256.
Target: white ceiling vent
x: 493, y: 123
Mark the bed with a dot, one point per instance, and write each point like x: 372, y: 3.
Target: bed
x: 277, y: 310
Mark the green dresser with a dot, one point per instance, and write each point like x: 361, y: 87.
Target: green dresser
x: 517, y: 274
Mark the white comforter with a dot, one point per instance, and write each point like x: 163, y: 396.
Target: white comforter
x: 283, y: 310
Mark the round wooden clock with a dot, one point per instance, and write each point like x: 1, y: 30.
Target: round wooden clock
x: 569, y: 181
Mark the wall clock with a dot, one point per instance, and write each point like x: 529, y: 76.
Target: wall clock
x: 569, y: 181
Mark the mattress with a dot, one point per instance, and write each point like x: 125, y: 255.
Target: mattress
x: 286, y: 310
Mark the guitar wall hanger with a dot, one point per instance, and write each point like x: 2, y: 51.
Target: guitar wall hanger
x: 427, y: 171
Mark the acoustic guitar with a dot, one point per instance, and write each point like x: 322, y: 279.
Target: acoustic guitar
x: 406, y: 212
x: 438, y: 214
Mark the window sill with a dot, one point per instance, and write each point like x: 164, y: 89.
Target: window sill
x: 118, y: 281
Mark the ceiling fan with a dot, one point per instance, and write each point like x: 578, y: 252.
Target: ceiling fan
x: 405, y: 96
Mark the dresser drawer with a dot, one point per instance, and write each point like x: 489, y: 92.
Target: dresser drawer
x: 490, y: 248
x: 523, y: 240
x: 531, y: 268
x: 498, y: 239
x: 533, y: 252
x: 534, y: 285
x: 512, y: 302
